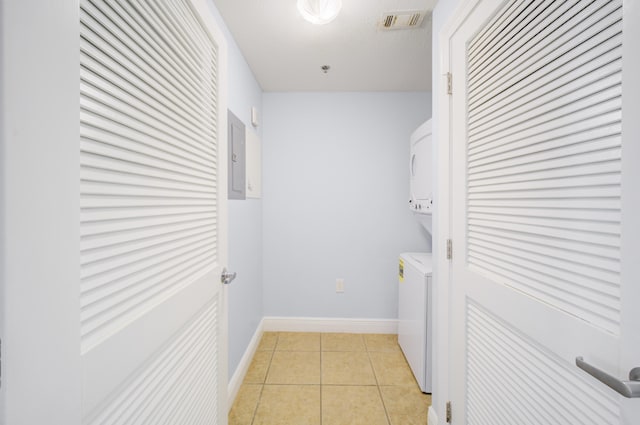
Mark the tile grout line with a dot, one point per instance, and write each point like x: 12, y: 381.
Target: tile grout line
x: 321, y: 378
x: 375, y: 375
x: 264, y: 382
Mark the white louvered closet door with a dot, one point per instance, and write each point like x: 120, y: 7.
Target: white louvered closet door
x: 537, y: 208
x: 152, y: 225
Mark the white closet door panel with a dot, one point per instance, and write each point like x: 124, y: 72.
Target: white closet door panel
x: 536, y: 197
x: 558, y: 107
x: 510, y: 376
x: 515, y: 162
x: 151, y: 189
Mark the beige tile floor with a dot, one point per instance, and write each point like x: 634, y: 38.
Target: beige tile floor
x: 329, y: 379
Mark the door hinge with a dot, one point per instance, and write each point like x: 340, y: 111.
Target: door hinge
x: 448, y: 415
x: 449, y: 249
x: 449, y: 83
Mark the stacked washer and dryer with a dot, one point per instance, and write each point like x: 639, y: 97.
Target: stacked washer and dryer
x: 415, y: 268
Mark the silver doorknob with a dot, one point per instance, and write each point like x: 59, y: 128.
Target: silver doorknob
x: 227, y: 277
x: 629, y: 389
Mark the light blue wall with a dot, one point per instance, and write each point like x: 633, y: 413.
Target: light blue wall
x: 335, y: 186
x: 245, y: 217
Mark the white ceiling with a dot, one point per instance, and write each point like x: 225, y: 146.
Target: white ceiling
x: 286, y: 52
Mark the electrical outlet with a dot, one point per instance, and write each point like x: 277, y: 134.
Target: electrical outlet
x: 339, y: 285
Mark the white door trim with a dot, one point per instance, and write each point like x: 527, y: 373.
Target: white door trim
x: 442, y: 214
x: 40, y: 212
x: 630, y: 237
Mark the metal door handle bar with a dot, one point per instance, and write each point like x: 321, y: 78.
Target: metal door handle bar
x: 629, y: 389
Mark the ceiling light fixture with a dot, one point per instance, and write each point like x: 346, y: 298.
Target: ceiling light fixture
x: 319, y: 12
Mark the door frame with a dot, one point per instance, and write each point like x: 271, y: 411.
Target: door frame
x: 40, y: 212
x: 630, y: 235
x: 442, y: 218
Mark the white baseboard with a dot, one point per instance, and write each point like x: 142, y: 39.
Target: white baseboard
x: 238, y: 376
x: 432, y: 418
x: 321, y: 324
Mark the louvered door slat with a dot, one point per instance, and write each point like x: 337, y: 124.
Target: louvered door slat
x: 581, y: 109
x: 108, y: 241
x: 172, y: 40
x: 107, y: 112
x: 564, y: 133
x: 185, y: 22
x: 606, y: 80
x: 543, y: 241
x: 99, y: 63
x: 548, y: 142
x: 512, y: 37
x: 136, y: 40
x: 132, y: 246
x: 182, y: 366
x: 145, y: 181
x: 510, y: 367
x: 163, y: 120
x: 181, y: 34
x: 149, y: 67
x: 587, y: 260
x: 561, y: 80
x: 490, y: 36
x: 527, y: 170
x: 607, y: 217
x: 595, y: 20
x: 542, y: 147
x: 559, y: 183
x: 561, y: 73
x: 98, y: 150
x: 509, y: 53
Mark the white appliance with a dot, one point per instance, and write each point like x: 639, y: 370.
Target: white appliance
x: 414, y: 314
x: 414, y: 308
x: 421, y: 177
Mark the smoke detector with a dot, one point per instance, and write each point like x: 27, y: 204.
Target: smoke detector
x: 402, y: 20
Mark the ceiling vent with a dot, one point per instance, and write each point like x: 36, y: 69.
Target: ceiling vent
x: 402, y: 20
